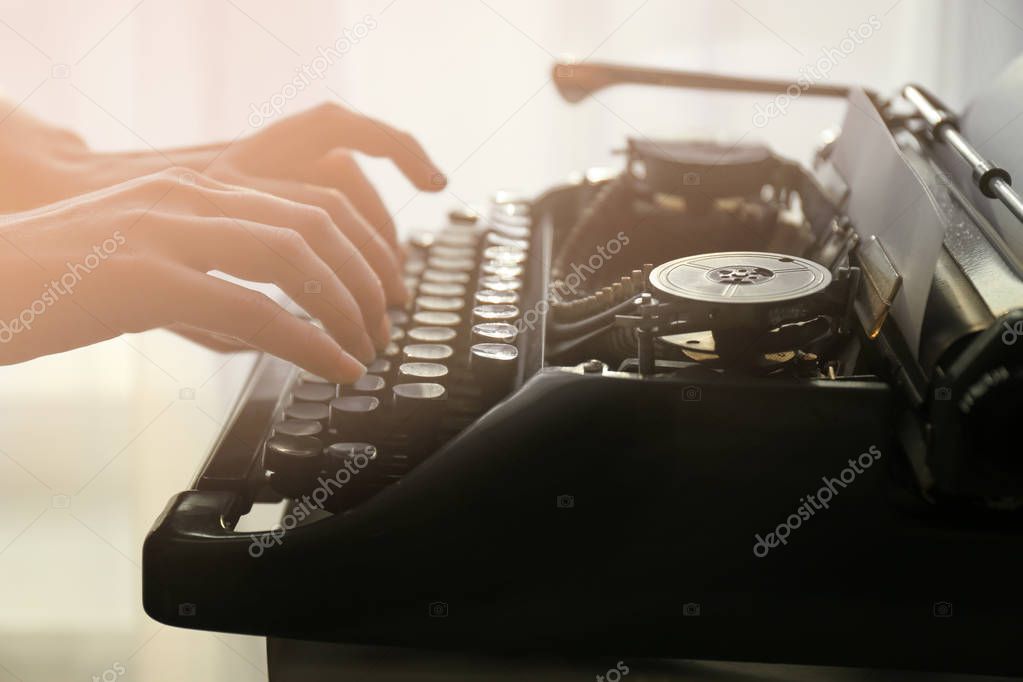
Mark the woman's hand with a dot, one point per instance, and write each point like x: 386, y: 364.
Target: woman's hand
x: 307, y: 158
x: 136, y: 256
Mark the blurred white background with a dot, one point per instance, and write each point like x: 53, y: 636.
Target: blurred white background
x: 93, y: 442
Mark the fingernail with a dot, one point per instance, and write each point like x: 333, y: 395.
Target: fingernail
x: 349, y: 369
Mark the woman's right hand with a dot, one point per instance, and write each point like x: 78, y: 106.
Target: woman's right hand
x: 135, y: 256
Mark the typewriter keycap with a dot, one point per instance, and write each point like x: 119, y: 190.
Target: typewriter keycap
x: 491, y: 297
x: 458, y: 237
x: 305, y: 377
x: 494, y: 332
x: 414, y: 268
x: 423, y: 371
x: 504, y: 255
x: 297, y: 427
x: 427, y: 352
x: 314, y: 393
x: 497, y: 239
x: 414, y: 396
x: 354, y: 417
x: 379, y: 366
x: 398, y: 317
x: 463, y: 216
x: 442, y: 251
x: 445, y: 304
x: 494, y: 366
x: 441, y: 289
x: 501, y: 270
x: 500, y: 283
x: 436, y: 318
x: 422, y: 239
x: 511, y: 231
x: 446, y: 276
x: 432, y: 334
x: 452, y: 264
x: 397, y: 334
x: 369, y: 384
x: 391, y: 351
x: 317, y: 412
x: 295, y: 458
x: 494, y: 313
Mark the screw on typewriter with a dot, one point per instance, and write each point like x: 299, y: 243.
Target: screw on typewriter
x: 741, y: 310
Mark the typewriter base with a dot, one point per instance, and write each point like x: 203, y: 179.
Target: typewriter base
x: 298, y: 661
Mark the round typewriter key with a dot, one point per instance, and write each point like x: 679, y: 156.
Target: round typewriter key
x: 305, y: 377
x: 391, y: 351
x: 297, y: 427
x: 432, y: 334
x: 422, y: 239
x: 316, y: 412
x: 411, y: 284
x: 414, y: 268
x: 446, y: 276
x: 427, y: 352
x: 294, y: 456
x: 496, y: 239
x: 442, y: 251
x: 397, y: 334
x: 423, y: 371
x: 494, y: 313
x: 436, y: 318
x: 397, y: 316
x: 367, y: 383
x: 491, y: 297
x: 494, y: 366
x: 501, y: 270
x: 463, y: 216
x: 379, y: 366
x: 314, y: 393
x: 441, y: 289
x: 445, y: 304
x: 458, y: 237
x: 359, y: 454
x: 353, y: 416
x: 500, y: 283
x: 511, y: 231
x: 494, y: 332
x: 451, y: 264
x: 504, y: 254
x: 418, y: 392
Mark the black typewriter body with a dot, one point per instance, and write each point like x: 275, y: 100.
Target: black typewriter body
x: 618, y: 488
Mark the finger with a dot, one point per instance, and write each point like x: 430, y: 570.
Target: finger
x: 337, y: 168
x: 214, y: 342
x: 312, y: 133
x: 318, y: 229
x: 370, y: 244
x: 210, y: 303
x: 263, y: 253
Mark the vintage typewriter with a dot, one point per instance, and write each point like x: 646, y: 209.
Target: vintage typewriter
x: 713, y: 405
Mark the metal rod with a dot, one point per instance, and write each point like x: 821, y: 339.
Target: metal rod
x: 993, y: 182
x: 577, y: 80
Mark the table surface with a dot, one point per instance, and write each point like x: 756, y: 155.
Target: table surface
x: 92, y: 445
